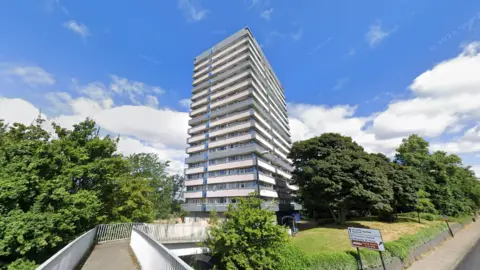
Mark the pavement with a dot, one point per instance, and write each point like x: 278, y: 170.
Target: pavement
x: 111, y: 256
x: 471, y: 260
x: 451, y: 253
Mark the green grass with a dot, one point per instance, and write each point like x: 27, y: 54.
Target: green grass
x: 330, y: 238
x: 328, y: 246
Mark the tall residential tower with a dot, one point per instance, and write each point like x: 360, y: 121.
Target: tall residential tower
x: 239, y: 136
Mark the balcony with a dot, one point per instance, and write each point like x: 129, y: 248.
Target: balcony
x: 231, y: 178
x: 268, y: 193
x: 230, y: 165
x: 195, y: 158
x: 231, y: 129
x: 231, y: 140
x: 263, y: 164
x: 193, y: 194
x: 197, y: 138
x: 199, y: 102
x: 194, y: 170
x: 280, y: 154
x: 200, y: 94
x: 231, y: 118
x: 263, y: 141
x: 266, y: 178
x: 198, y: 111
x: 231, y: 89
x: 222, y: 79
x: 284, y: 174
x: 237, y: 151
x: 196, y: 148
x: 194, y: 182
x: 239, y: 192
x: 230, y: 99
x: 197, y: 129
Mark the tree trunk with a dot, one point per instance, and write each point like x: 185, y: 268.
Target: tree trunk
x: 342, y: 216
x: 333, y: 214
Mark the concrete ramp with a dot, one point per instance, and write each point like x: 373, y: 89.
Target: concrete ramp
x: 111, y: 256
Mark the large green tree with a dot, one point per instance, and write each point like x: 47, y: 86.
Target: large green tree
x: 57, y: 185
x: 248, y: 238
x: 445, y: 181
x: 333, y: 171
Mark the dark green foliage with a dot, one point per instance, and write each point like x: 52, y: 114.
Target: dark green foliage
x: 248, y: 238
x: 333, y: 171
x: 55, y: 186
x: 334, y: 260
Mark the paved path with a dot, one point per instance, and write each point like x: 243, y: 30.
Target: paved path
x: 451, y: 252
x: 471, y: 260
x: 110, y: 256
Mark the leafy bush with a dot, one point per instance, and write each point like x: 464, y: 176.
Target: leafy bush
x: 428, y: 216
x: 334, y: 261
x: 292, y: 258
x: 22, y: 264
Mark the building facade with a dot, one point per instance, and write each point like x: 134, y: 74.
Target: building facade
x: 239, y: 135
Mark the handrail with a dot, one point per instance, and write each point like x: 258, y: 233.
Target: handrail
x: 72, y: 254
x: 153, y: 255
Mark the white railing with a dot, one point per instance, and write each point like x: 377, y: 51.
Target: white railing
x: 153, y: 255
x: 70, y: 256
x: 175, y: 233
x: 114, y: 232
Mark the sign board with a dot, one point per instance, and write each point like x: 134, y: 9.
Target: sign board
x: 366, y: 238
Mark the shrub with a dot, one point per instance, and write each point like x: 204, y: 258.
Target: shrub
x: 428, y: 216
x: 292, y: 258
x: 333, y: 260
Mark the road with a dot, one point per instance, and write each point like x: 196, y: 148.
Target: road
x: 471, y: 260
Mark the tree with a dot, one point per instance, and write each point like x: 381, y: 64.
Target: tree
x: 55, y: 187
x: 450, y: 187
x: 248, y: 238
x: 149, y: 167
x: 332, y: 170
x: 405, y: 182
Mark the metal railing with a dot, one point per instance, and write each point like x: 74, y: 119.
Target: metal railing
x: 176, y: 233
x: 114, y: 232
x: 153, y: 255
x: 70, y: 256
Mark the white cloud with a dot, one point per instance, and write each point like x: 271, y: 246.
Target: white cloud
x: 151, y: 101
x: 447, y: 96
x: 476, y: 169
x: 185, y: 103
x: 377, y: 34
x: 129, y: 146
x: 352, y: 52
x: 18, y: 111
x: 193, y: 9
x: 267, y: 14
x: 133, y: 89
x: 78, y: 28
x: 296, y: 36
x: 31, y: 75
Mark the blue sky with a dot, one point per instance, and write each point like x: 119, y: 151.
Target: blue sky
x: 346, y: 66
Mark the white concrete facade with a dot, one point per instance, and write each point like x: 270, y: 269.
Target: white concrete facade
x: 239, y: 130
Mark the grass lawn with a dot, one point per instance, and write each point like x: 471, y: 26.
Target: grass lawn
x: 335, y: 238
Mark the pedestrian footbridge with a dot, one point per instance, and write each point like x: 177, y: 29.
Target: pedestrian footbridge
x: 130, y: 246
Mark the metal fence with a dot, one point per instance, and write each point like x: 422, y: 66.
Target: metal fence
x: 69, y: 256
x: 176, y: 233
x: 153, y: 255
x: 114, y: 232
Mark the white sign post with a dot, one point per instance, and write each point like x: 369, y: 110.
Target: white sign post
x: 366, y: 238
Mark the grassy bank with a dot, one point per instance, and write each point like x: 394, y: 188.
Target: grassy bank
x: 328, y: 246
